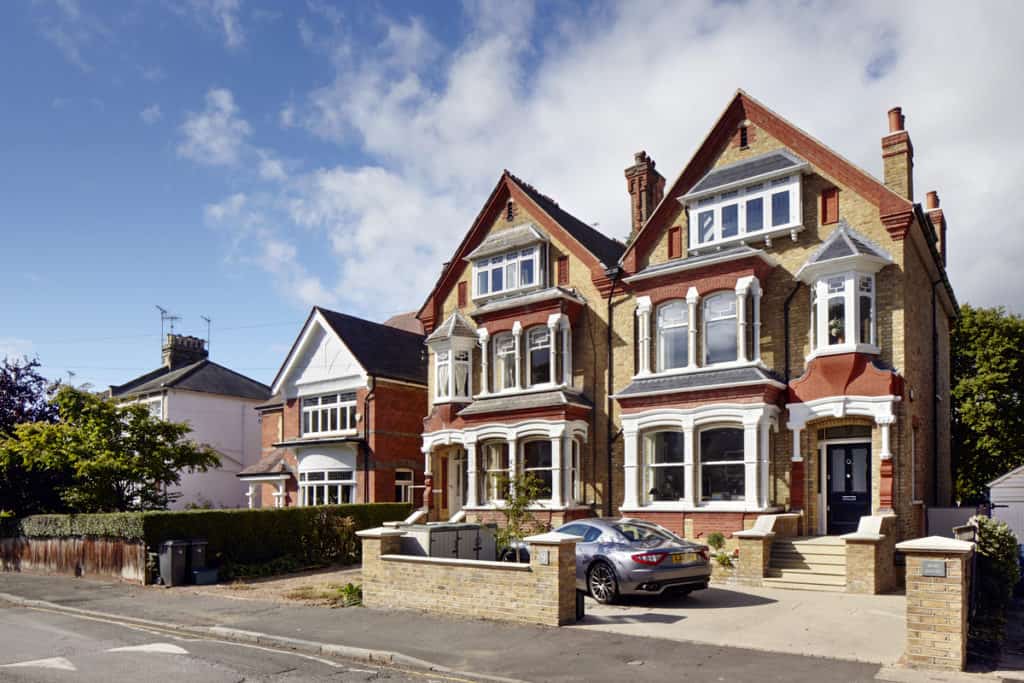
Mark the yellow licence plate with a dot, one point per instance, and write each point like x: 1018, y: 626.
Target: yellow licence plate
x: 683, y: 558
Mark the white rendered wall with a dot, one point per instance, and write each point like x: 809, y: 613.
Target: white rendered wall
x: 1008, y: 495
x: 322, y: 363
x: 231, y: 427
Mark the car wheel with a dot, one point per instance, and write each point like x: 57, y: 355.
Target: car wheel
x: 602, y: 584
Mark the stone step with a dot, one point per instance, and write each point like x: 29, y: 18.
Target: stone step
x: 807, y: 576
x: 802, y: 586
x: 793, y: 556
x: 809, y: 548
x: 802, y: 565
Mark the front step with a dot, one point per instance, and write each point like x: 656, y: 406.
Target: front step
x: 808, y: 564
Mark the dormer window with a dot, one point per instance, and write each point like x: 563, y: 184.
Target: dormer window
x: 328, y: 414
x: 755, y: 198
x: 507, y: 272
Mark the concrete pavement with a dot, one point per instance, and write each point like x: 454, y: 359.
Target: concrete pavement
x: 482, y: 647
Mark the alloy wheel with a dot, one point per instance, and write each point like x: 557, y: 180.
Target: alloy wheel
x: 602, y: 583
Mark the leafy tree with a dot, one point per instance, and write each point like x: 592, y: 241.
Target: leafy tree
x: 24, y: 397
x: 120, y: 457
x: 988, y: 397
x: 520, y: 494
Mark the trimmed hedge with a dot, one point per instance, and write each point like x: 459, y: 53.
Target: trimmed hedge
x: 310, y: 535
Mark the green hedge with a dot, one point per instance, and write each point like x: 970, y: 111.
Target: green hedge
x: 310, y: 535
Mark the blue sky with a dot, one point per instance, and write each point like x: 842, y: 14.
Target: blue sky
x: 244, y: 159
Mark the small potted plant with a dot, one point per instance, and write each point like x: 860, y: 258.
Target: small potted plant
x: 723, y: 562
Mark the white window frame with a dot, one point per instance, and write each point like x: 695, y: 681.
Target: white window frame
x: 404, y: 486
x: 508, y: 262
x: 531, y: 346
x: 490, y: 483
x: 699, y: 464
x: 550, y: 468
x: 851, y: 295
x: 443, y: 364
x: 661, y: 328
x: 647, y: 457
x: 315, y: 492
x: 452, y: 361
x: 706, y: 318
x: 344, y: 405
x: 503, y: 359
x: 575, y: 492
x: 763, y: 190
x: 155, y: 406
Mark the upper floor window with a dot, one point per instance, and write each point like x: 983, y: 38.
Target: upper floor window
x: 518, y: 269
x: 452, y: 374
x: 720, y: 330
x: 329, y: 414
x: 843, y: 311
x: 504, y: 362
x: 747, y: 211
x: 673, y: 335
x: 539, y: 359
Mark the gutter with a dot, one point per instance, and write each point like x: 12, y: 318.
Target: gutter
x: 935, y: 395
x: 785, y: 327
x: 613, y: 273
x: 372, y: 381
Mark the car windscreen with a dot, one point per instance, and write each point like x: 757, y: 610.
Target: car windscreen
x: 643, y: 534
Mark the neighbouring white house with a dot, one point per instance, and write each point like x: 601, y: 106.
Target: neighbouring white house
x: 219, y: 405
x: 1007, y: 497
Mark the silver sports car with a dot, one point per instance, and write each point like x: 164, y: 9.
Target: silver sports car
x: 629, y: 556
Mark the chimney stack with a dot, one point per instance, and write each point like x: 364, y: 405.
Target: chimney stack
x: 898, y: 156
x: 646, y: 188
x: 182, y: 349
x: 938, y: 220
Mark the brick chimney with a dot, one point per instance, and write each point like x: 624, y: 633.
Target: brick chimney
x: 898, y: 156
x: 938, y: 220
x: 646, y: 187
x: 183, y: 349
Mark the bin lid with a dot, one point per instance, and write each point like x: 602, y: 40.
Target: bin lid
x: 176, y: 541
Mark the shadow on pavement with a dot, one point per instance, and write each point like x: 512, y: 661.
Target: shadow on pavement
x: 711, y: 598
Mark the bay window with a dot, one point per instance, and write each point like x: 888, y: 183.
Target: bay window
x: 720, y: 455
x: 329, y: 414
x: 537, y: 462
x: 539, y: 356
x: 494, y: 461
x: 720, y: 328
x: 664, y: 471
x: 843, y: 313
x: 673, y: 335
x: 326, y: 487
x: 508, y: 272
x: 731, y: 215
x: 452, y: 374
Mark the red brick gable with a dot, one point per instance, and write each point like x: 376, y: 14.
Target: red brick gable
x: 743, y: 107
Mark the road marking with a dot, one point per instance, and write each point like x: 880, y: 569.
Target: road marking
x: 161, y: 648
x: 60, y: 663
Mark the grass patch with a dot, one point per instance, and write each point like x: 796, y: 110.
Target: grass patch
x: 332, y: 594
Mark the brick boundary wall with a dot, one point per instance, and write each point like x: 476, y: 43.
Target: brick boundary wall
x: 541, y: 592
x: 937, y: 606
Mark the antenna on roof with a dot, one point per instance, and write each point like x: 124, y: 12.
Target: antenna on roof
x: 209, y: 323
x: 166, y: 317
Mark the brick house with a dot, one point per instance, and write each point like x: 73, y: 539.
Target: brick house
x: 790, y: 352
x: 220, y: 406
x: 344, y: 422
x: 791, y: 317
x: 517, y: 339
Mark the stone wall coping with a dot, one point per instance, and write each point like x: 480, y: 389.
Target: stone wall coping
x: 456, y: 562
x: 553, y: 538
x: 862, y: 537
x: 935, y: 544
x: 380, y: 532
x: 753, y: 533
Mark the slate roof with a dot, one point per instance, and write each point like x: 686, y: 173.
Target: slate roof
x: 203, y: 376
x: 733, y: 174
x: 506, y: 240
x: 843, y: 242
x: 455, y: 325
x: 675, y: 265
x: 526, y: 299
x: 274, y: 462
x: 607, y: 250
x: 542, y: 399
x: 695, y: 381
x: 406, y: 321
x: 383, y: 351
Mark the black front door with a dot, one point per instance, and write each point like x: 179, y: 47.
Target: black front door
x: 849, y: 485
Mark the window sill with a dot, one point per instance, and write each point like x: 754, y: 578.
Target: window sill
x: 535, y: 389
x: 730, y: 365
x: 838, y: 349
x: 539, y: 506
x: 720, y: 506
x: 482, y: 299
x: 765, y: 236
x: 328, y: 435
x: 461, y: 399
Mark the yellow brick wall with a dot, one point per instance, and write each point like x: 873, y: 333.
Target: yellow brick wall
x: 937, y: 613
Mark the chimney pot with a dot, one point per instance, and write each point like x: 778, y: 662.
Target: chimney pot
x: 932, y: 200
x: 646, y: 189
x: 182, y: 349
x: 896, y: 119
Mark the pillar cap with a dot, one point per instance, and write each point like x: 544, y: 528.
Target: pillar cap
x: 935, y: 544
x: 380, y: 532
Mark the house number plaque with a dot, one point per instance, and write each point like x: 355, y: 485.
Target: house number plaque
x: 933, y: 568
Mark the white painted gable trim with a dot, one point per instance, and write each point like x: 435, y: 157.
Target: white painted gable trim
x: 317, y: 319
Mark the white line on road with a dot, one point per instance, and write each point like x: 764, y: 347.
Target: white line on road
x: 160, y: 648
x: 51, y: 663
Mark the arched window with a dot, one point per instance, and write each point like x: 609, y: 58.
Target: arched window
x: 537, y: 461
x: 664, y: 473
x: 539, y: 356
x: 720, y: 328
x: 720, y: 454
x: 673, y: 335
x: 504, y: 362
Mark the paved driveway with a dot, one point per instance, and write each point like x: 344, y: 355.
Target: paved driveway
x: 867, y: 628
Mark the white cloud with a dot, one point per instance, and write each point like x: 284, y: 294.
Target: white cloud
x: 287, y: 116
x: 215, y: 136
x: 220, y: 15
x: 271, y: 168
x: 151, y: 114
x: 567, y: 108
x: 70, y: 30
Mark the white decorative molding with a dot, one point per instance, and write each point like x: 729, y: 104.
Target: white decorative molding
x: 876, y: 407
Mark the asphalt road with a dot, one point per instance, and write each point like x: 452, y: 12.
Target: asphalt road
x: 44, y: 646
